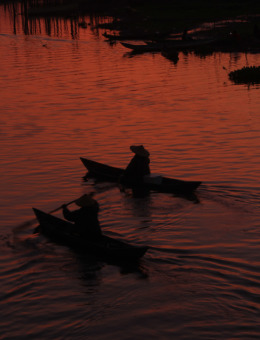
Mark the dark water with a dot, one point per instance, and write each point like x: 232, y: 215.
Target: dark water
x: 65, y: 96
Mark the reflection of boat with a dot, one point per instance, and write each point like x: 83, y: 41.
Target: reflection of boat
x: 152, y: 182
x: 169, y: 45
x: 61, y: 232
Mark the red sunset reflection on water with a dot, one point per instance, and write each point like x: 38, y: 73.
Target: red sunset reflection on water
x: 67, y: 94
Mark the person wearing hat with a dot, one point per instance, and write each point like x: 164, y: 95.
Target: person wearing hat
x: 138, y: 166
x: 86, y: 218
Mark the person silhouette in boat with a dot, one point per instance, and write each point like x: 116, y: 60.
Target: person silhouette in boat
x: 186, y: 36
x: 138, y: 167
x: 85, y: 218
x: 256, y: 32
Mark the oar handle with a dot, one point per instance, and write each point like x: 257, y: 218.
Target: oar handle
x: 53, y: 211
x: 29, y: 223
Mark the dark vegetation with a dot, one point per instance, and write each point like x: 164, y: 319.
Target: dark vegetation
x: 246, y: 75
x: 234, y: 24
x: 165, y: 16
x: 175, y: 16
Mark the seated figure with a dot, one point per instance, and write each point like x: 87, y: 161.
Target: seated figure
x: 86, y: 218
x: 138, y: 166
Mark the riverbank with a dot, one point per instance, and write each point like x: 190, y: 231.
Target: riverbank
x: 142, y: 20
x: 174, y: 16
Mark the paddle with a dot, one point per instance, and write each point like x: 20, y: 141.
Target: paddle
x: 31, y: 222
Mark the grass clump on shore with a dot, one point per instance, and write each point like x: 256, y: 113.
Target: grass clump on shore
x: 246, y: 75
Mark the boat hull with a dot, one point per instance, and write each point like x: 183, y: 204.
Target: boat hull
x: 113, y: 174
x: 61, y: 232
x: 176, y: 45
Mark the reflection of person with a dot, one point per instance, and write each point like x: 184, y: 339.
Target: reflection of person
x: 138, y: 166
x: 86, y: 218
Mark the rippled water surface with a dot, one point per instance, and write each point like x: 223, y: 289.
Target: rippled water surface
x: 69, y: 94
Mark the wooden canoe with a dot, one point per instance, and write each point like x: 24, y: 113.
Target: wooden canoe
x: 61, y: 232
x: 155, y: 183
x: 135, y: 36
x: 177, y: 45
x: 151, y: 47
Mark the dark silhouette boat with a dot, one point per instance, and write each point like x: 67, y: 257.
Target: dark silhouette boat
x: 139, y: 35
x: 62, y: 232
x: 169, y: 45
x: 153, y: 182
x: 148, y: 47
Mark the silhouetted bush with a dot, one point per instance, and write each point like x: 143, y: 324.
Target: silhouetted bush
x: 246, y: 75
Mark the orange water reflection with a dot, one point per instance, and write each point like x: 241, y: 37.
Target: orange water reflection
x: 63, y: 98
